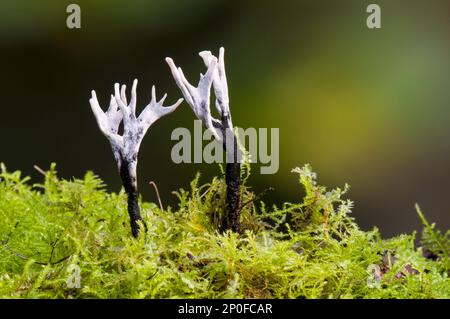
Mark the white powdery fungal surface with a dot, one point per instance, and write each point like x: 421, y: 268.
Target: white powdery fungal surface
x: 198, y: 97
x: 125, y: 147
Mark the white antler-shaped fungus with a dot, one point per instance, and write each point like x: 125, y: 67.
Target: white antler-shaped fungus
x: 198, y: 99
x: 125, y: 147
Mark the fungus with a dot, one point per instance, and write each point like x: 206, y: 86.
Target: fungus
x: 198, y: 99
x: 125, y: 147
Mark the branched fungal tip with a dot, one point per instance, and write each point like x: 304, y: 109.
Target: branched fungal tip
x: 125, y: 147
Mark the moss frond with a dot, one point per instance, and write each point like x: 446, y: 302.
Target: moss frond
x: 58, y: 229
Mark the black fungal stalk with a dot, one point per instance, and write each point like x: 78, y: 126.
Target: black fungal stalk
x: 233, y: 200
x: 130, y: 186
x: 198, y: 99
x: 126, y: 147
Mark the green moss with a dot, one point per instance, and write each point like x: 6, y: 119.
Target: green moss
x: 311, y: 249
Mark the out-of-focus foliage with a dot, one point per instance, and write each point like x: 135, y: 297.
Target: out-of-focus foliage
x: 436, y: 242
x: 312, y: 249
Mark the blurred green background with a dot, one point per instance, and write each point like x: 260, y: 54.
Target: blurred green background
x: 367, y: 107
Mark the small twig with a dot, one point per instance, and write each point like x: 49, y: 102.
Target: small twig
x: 151, y: 276
x: 36, y: 262
x: 204, y: 193
x: 255, y: 198
x: 40, y: 170
x: 152, y: 183
x: 14, y: 253
x: 59, y: 261
x: 5, y: 244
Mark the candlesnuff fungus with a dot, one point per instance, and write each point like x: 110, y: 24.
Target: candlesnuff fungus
x: 126, y: 147
x: 198, y: 99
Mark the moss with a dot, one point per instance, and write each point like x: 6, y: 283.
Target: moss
x: 311, y: 249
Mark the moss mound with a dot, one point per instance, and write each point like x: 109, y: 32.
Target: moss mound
x: 71, y: 239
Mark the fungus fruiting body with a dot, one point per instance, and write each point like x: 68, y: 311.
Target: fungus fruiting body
x: 125, y: 147
x: 198, y: 99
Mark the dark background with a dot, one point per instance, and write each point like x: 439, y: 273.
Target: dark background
x: 367, y: 107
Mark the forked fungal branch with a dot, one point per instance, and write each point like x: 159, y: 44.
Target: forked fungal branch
x: 198, y: 99
x: 125, y: 147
